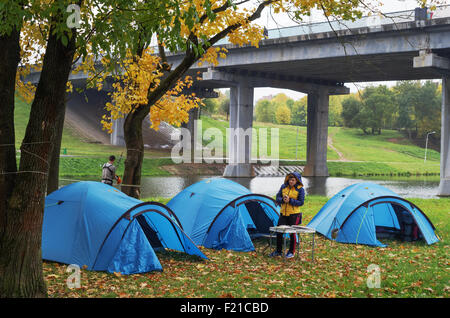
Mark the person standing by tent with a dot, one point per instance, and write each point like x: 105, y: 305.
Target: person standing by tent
x: 290, y: 196
x: 109, y: 172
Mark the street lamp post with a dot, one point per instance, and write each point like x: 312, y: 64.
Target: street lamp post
x: 426, y: 145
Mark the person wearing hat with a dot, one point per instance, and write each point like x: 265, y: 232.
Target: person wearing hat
x: 291, y: 197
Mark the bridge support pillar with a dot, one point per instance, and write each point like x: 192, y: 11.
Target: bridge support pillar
x: 317, y: 134
x: 240, y: 133
x: 444, y: 186
x: 191, y: 125
x: 118, y: 136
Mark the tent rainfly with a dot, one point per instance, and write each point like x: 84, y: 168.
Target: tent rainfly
x: 365, y: 212
x: 221, y: 214
x: 95, y: 225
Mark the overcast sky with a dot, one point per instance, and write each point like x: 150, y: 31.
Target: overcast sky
x: 277, y: 21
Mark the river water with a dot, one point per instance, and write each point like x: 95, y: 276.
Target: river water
x: 327, y: 186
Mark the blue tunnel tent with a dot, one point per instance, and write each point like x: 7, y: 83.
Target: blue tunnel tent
x: 93, y: 224
x: 365, y: 212
x: 221, y: 214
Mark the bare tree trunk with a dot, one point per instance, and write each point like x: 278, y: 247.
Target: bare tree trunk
x: 21, y: 230
x: 135, y: 152
x: 53, y: 174
x: 9, y: 60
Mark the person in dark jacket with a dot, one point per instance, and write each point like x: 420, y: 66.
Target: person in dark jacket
x: 109, y: 172
x: 291, y: 197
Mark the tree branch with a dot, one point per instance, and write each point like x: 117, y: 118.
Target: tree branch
x: 191, y: 58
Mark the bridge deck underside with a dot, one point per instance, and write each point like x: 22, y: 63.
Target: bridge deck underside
x: 364, y: 68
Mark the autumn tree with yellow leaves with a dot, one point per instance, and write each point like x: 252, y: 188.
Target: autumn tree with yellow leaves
x: 149, y: 85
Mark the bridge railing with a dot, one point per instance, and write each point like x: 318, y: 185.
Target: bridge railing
x: 372, y: 21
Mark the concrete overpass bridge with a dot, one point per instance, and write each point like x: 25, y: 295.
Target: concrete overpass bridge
x: 399, y: 47
x: 319, y: 59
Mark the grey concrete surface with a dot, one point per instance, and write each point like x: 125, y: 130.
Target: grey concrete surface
x: 444, y: 186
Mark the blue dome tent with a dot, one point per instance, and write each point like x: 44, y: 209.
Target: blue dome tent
x: 365, y: 212
x: 219, y: 213
x: 95, y: 225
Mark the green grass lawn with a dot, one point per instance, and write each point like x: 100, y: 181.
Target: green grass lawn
x: 72, y: 143
x: 383, y: 170
x: 287, y: 138
x: 407, y: 269
x: 83, y: 159
x: 92, y: 166
x: 389, y: 154
x: 390, y: 146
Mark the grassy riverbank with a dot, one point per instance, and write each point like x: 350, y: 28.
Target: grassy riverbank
x: 340, y: 270
x: 377, y: 169
x: 344, y: 144
x: 92, y: 166
x: 73, y: 144
x: 88, y: 164
x: 350, y: 152
x: 152, y: 167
